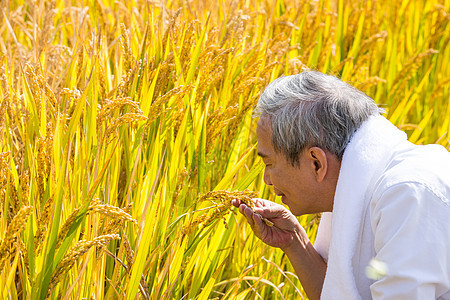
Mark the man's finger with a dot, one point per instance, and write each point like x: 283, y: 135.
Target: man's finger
x: 248, y: 214
x: 259, y: 226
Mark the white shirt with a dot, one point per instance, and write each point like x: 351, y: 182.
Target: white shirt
x: 410, y: 220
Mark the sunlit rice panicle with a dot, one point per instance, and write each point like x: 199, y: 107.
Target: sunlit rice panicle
x: 13, y: 202
x: 124, y: 86
x: 307, y: 50
x: 40, y: 89
x: 112, y: 211
x: 42, y: 225
x: 76, y: 252
x: 212, y: 63
x: 101, y: 81
x: 141, y: 66
x: 129, y: 253
x: 112, y: 105
x: 14, y: 229
x: 114, y: 224
x: 222, y: 206
x: 280, y: 47
x: 233, y: 124
x: 95, y: 206
x: 338, y: 68
x: 371, y: 41
x: 360, y: 71
x: 363, y: 86
x: 165, y: 70
x: 188, y: 229
x: 295, y: 66
x: 221, y: 211
x: 188, y: 44
x: 128, y: 54
x: 177, y: 115
x: 157, y: 107
x: 34, y: 84
x: 225, y: 197
x: 217, y: 121
x: 408, y: 70
x: 3, y: 112
x: 124, y: 119
x: 24, y: 180
x: 43, y: 164
x: 180, y: 183
x: 73, y: 95
x: 52, y: 103
x: 171, y: 27
x: 80, y: 63
x: 243, y: 90
x: 66, y: 226
x: 20, y: 246
x: 442, y: 20
x: 4, y: 167
x: 439, y: 90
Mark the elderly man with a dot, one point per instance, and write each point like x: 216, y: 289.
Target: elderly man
x: 326, y: 148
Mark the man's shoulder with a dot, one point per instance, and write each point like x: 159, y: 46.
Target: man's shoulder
x: 426, y: 167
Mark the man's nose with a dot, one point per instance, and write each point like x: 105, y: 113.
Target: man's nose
x: 267, y: 177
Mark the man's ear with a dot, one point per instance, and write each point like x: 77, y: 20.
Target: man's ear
x: 319, y: 162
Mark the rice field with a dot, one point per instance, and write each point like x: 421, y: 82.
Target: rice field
x: 126, y: 129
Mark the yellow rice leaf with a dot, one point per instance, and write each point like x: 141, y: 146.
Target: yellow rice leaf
x: 9, y: 289
x: 196, y: 54
x: 210, y: 284
x: 226, y: 180
x: 422, y: 125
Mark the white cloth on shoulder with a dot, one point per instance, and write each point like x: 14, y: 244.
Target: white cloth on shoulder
x: 341, y: 235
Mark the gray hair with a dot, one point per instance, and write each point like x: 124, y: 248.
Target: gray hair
x: 312, y: 109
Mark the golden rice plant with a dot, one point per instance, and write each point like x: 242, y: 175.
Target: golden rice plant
x: 126, y: 130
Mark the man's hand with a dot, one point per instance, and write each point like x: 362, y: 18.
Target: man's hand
x: 287, y: 234
x: 286, y: 230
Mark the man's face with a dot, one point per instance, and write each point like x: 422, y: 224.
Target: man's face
x: 297, y: 185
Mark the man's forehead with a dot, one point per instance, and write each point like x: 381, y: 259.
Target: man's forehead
x: 264, y: 134
x: 265, y: 122
x: 264, y: 129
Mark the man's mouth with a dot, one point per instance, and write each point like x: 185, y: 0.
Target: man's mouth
x: 277, y: 192
x: 280, y: 194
